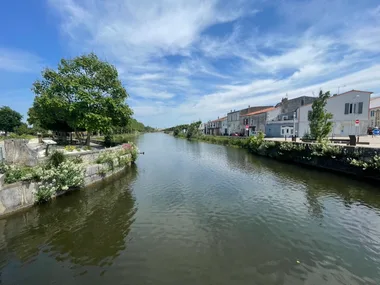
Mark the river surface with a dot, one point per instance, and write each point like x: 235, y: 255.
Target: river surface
x: 196, y: 213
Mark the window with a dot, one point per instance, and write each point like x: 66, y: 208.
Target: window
x: 372, y: 113
x: 287, y: 131
x: 284, y: 118
x: 353, y: 108
x: 282, y: 131
x: 360, y: 107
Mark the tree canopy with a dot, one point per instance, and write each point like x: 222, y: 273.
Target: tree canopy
x: 320, y: 124
x: 9, y: 119
x: 84, y: 93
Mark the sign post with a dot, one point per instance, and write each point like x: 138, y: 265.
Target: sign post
x: 357, y: 123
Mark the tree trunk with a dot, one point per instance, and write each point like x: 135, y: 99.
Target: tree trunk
x: 88, y: 138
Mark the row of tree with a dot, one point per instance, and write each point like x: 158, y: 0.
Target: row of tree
x: 82, y: 94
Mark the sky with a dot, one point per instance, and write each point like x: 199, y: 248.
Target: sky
x: 185, y: 60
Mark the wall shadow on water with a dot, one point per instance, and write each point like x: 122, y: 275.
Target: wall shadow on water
x: 87, y: 227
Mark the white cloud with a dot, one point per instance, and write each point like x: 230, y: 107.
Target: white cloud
x: 176, y: 71
x: 13, y: 60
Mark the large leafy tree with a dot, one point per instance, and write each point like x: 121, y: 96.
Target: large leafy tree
x: 84, y: 93
x: 9, y: 119
x: 320, y: 124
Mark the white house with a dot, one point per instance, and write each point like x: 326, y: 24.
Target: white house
x: 374, y: 113
x: 346, y: 109
x: 223, y: 126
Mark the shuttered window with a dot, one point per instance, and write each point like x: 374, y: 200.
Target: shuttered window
x: 360, y: 108
x: 346, y: 108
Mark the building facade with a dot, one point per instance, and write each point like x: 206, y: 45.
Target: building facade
x: 374, y: 113
x: 346, y: 109
x: 256, y: 121
x: 217, y: 127
x: 282, y: 121
x: 235, y: 123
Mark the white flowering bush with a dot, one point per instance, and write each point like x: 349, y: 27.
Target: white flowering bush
x: 374, y: 163
x: 66, y: 175
x: 14, y: 173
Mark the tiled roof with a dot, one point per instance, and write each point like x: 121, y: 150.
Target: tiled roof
x: 259, y: 112
x: 218, y: 120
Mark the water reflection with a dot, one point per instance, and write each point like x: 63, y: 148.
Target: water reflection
x: 87, y: 227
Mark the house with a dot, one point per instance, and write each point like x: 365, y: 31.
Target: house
x: 234, y: 122
x: 282, y: 120
x: 346, y: 109
x: 374, y: 112
x: 256, y: 121
x: 202, y: 128
x: 216, y: 127
x: 224, y: 126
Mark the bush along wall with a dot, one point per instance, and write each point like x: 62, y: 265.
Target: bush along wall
x: 61, y: 173
x: 359, y: 161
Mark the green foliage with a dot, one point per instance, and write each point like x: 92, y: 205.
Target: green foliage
x: 66, y: 175
x: 70, y: 148
x: 193, y: 130
x: 14, y: 173
x: 56, y: 158
x: 372, y: 164
x: 108, y: 140
x: 176, y: 132
x: 9, y: 119
x: 87, y: 147
x: 256, y: 141
x: 84, y: 93
x: 23, y: 129
x: 320, y: 124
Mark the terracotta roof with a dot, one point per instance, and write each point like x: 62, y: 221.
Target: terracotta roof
x: 259, y: 112
x: 218, y: 120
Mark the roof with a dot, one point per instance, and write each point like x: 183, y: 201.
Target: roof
x: 218, y: 120
x: 259, y: 112
x: 332, y: 97
x: 375, y: 103
x: 353, y: 90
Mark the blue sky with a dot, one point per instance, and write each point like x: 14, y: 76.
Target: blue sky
x: 184, y: 60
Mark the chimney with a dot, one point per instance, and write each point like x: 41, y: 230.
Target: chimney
x: 218, y: 117
x: 249, y: 106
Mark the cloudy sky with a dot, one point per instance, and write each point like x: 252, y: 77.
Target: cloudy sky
x: 196, y: 59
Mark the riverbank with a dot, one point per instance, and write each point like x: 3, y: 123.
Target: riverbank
x: 22, y: 186
x: 362, y: 162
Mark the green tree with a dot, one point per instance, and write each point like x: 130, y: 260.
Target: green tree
x: 84, y: 93
x: 320, y: 124
x: 23, y: 129
x: 9, y: 119
x: 193, y: 130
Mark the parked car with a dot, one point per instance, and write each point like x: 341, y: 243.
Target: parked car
x: 234, y: 134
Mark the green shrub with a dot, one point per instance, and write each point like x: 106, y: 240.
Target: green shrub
x: 70, y: 148
x: 66, y: 175
x: 14, y: 173
x: 56, y: 158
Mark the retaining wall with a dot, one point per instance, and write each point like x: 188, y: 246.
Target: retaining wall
x: 19, y: 195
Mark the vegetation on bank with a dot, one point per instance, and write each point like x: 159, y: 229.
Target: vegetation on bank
x: 60, y: 173
x: 301, y: 152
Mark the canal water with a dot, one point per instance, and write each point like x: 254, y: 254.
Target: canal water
x: 197, y: 213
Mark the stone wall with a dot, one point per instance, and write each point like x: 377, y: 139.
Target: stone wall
x: 18, y: 152
x: 90, y: 156
x: 19, y: 195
